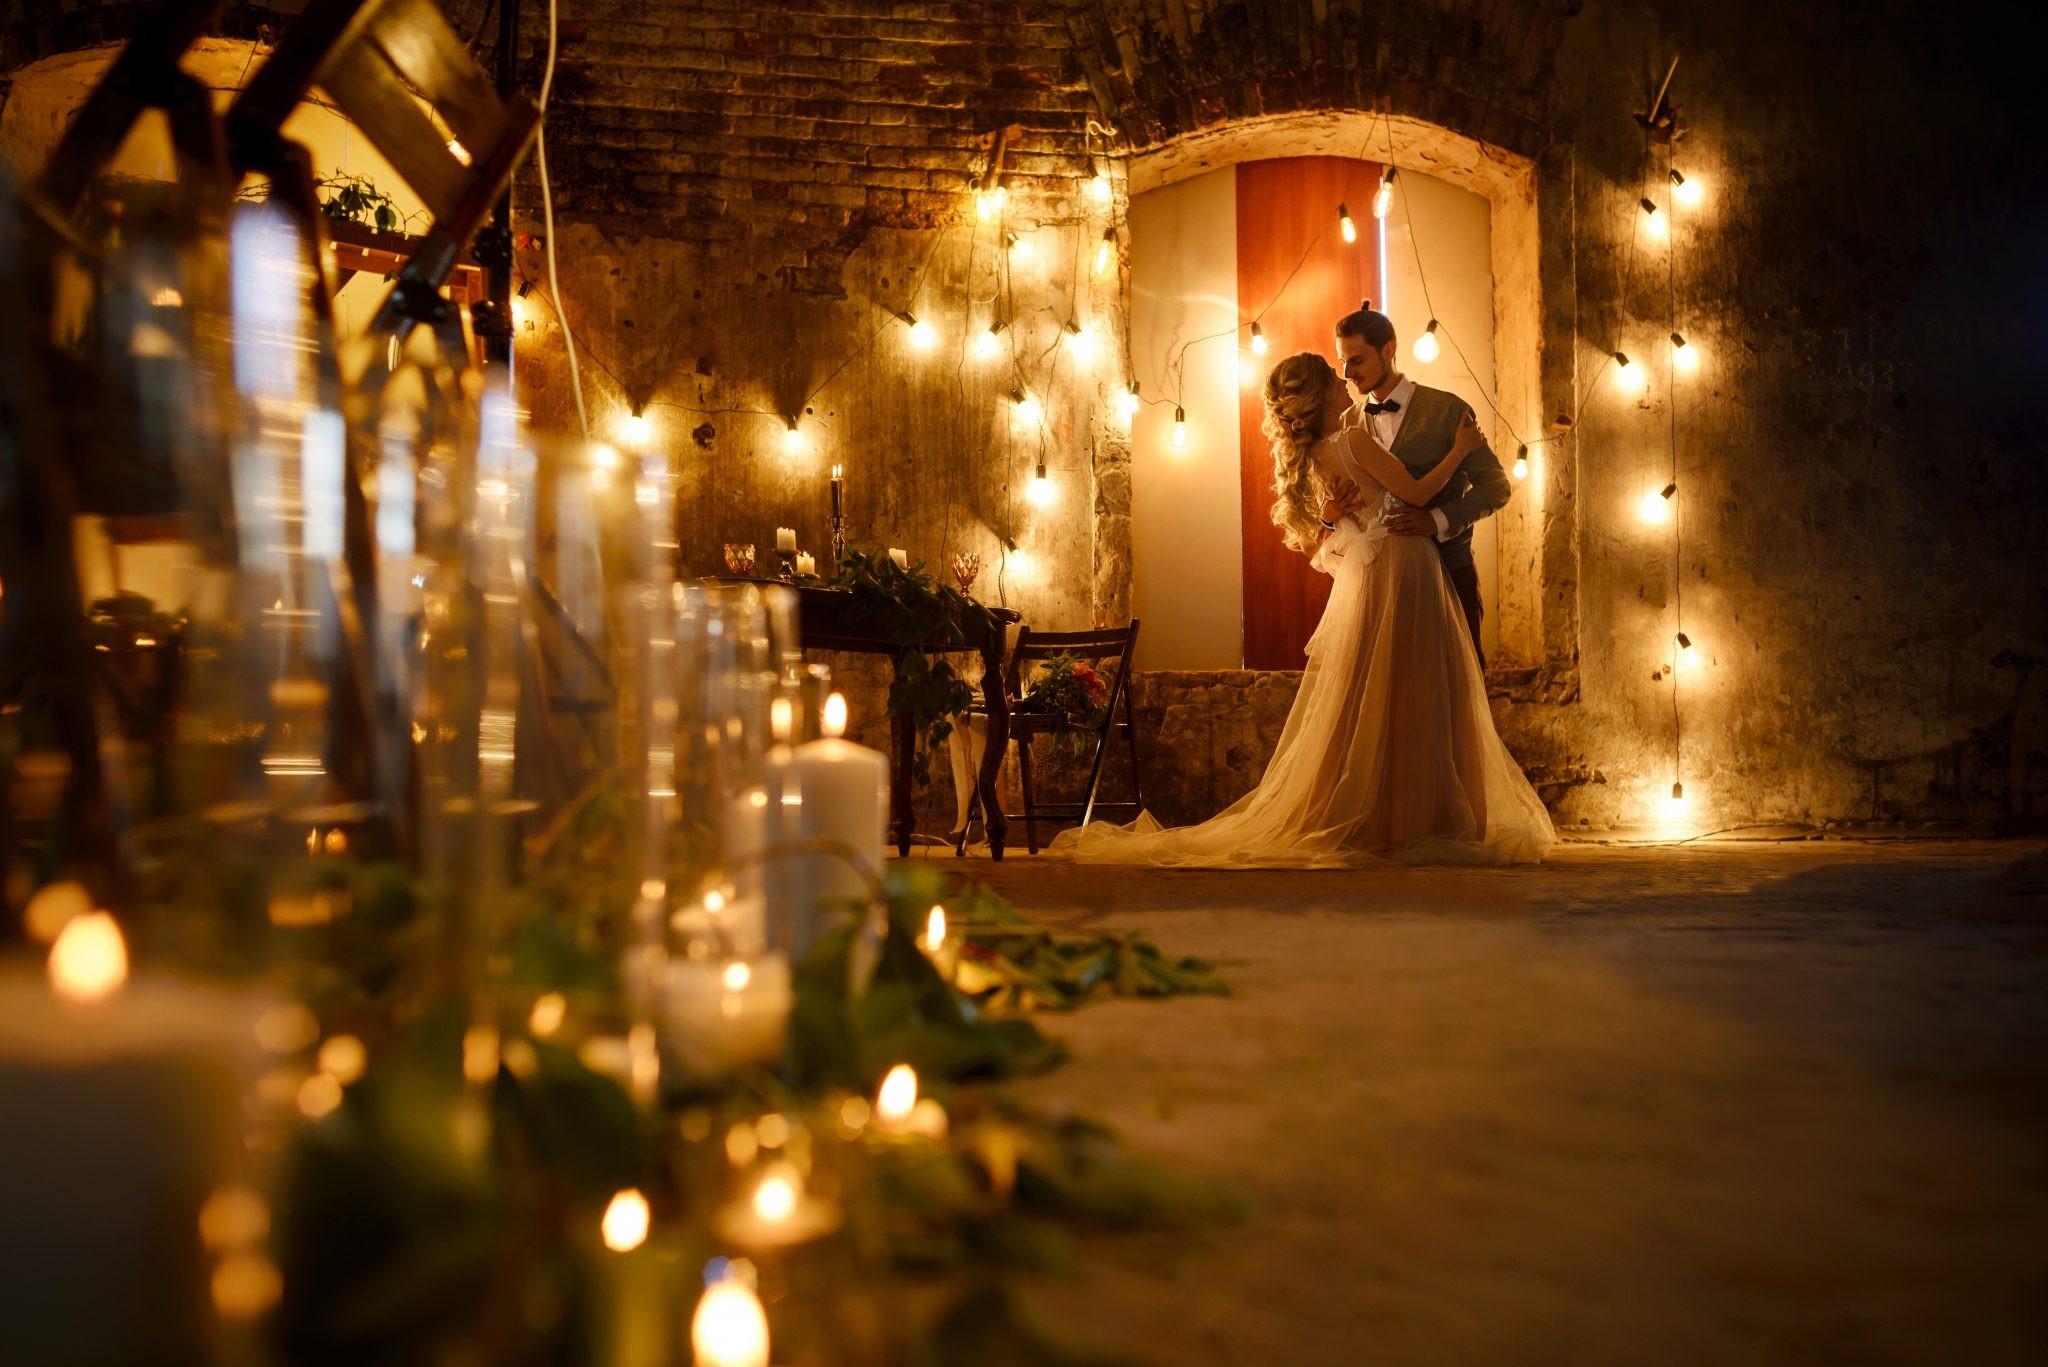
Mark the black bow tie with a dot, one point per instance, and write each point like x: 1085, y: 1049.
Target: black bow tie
x: 1390, y: 406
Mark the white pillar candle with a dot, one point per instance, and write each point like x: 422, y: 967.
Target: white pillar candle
x: 846, y: 801
x: 902, y: 559
x: 806, y: 563
x: 726, y: 1014
x: 785, y: 538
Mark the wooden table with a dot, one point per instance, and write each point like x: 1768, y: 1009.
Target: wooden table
x: 826, y: 620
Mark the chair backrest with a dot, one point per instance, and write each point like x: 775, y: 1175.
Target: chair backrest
x: 1104, y: 643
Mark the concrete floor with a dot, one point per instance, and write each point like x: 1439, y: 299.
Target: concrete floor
x: 1726, y: 1103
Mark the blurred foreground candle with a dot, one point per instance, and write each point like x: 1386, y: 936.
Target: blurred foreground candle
x: 845, y: 790
x: 724, y: 1016
x: 941, y: 947
x: 899, y: 1111
x: 122, y: 1102
x: 729, y: 1329
x: 777, y: 1211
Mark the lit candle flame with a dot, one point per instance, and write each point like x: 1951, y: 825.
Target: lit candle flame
x: 834, y: 723
x: 729, y: 1328
x: 737, y: 976
x: 775, y: 1198
x: 935, y: 931
x: 897, y: 1097
x: 89, y: 959
x: 625, y: 1221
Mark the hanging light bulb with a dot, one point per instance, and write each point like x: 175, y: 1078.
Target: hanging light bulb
x: 1099, y: 187
x: 1685, y: 358
x: 1685, y: 193
x: 986, y: 345
x: 1688, y: 658
x: 1345, y: 225
x: 1671, y: 810
x: 922, y: 334
x: 1653, y: 222
x: 1180, y: 428
x: 1039, y: 492
x: 1026, y: 407
x: 1655, y: 505
x: 634, y: 431
x: 1020, y: 247
x: 1427, y: 348
x: 792, y: 439
x: 1080, y: 343
x: 1628, y: 377
x: 1521, y: 468
x: 1383, y: 198
x: 1105, y: 250
x: 1128, y: 402
x: 1258, y: 341
x: 989, y: 202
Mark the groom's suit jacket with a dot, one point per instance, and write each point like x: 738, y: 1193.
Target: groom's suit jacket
x: 1478, y: 488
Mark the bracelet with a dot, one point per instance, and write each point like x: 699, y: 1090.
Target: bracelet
x: 1328, y: 526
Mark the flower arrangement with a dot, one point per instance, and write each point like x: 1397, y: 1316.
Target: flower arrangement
x: 1069, y: 689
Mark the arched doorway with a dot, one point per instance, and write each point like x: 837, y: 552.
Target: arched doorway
x: 1221, y: 235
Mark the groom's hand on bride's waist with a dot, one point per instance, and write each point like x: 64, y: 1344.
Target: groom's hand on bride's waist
x: 1406, y: 521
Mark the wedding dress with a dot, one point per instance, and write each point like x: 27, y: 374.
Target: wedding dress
x: 1389, y: 753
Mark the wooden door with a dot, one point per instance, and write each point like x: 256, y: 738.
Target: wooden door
x: 1281, y: 206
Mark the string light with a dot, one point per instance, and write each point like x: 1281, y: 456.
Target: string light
x: 1040, y: 493
x: 1098, y: 186
x: 1521, y: 468
x: 1383, y: 198
x: 1685, y: 358
x: 1427, y: 348
x: 1258, y: 341
x: 1180, y: 428
x: 1026, y: 406
x: 922, y: 334
x: 634, y: 432
x: 1345, y: 225
x: 1080, y: 343
x: 1105, y: 250
x: 990, y: 342
x: 1688, y: 658
x: 1653, y: 222
x: 1685, y: 192
x: 792, y: 439
x: 1128, y: 402
x: 1020, y: 247
x: 1628, y: 378
x: 1654, y: 507
x: 990, y: 201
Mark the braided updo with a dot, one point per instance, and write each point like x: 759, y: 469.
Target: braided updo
x: 1294, y: 409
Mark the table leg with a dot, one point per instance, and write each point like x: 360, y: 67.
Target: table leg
x: 993, y: 821
x: 903, y: 751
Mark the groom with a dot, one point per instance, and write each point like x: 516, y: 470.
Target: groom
x: 1418, y: 424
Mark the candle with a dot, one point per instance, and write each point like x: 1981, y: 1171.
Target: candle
x: 625, y: 1221
x: 727, y: 1014
x: 785, y: 538
x: 899, y: 1111
x: 845, y: 790
x: 729, y: 1328
x: 838, y: 490
x: 941, y: 948
x: 902, y: 560
x: 806, y: 563
x: 776, y: 1212
x: 124, y: 1097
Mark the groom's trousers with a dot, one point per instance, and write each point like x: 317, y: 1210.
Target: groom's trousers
x: 1465, y: 580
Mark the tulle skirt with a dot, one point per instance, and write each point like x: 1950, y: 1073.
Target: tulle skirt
x: 1389, y: 753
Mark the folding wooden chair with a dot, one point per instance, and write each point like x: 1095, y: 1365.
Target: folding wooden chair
x: 1118, y: 717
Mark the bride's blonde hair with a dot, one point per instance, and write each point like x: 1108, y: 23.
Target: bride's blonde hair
x: 1294, y: 407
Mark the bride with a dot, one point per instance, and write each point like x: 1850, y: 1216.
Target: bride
x: 1389, y: 752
